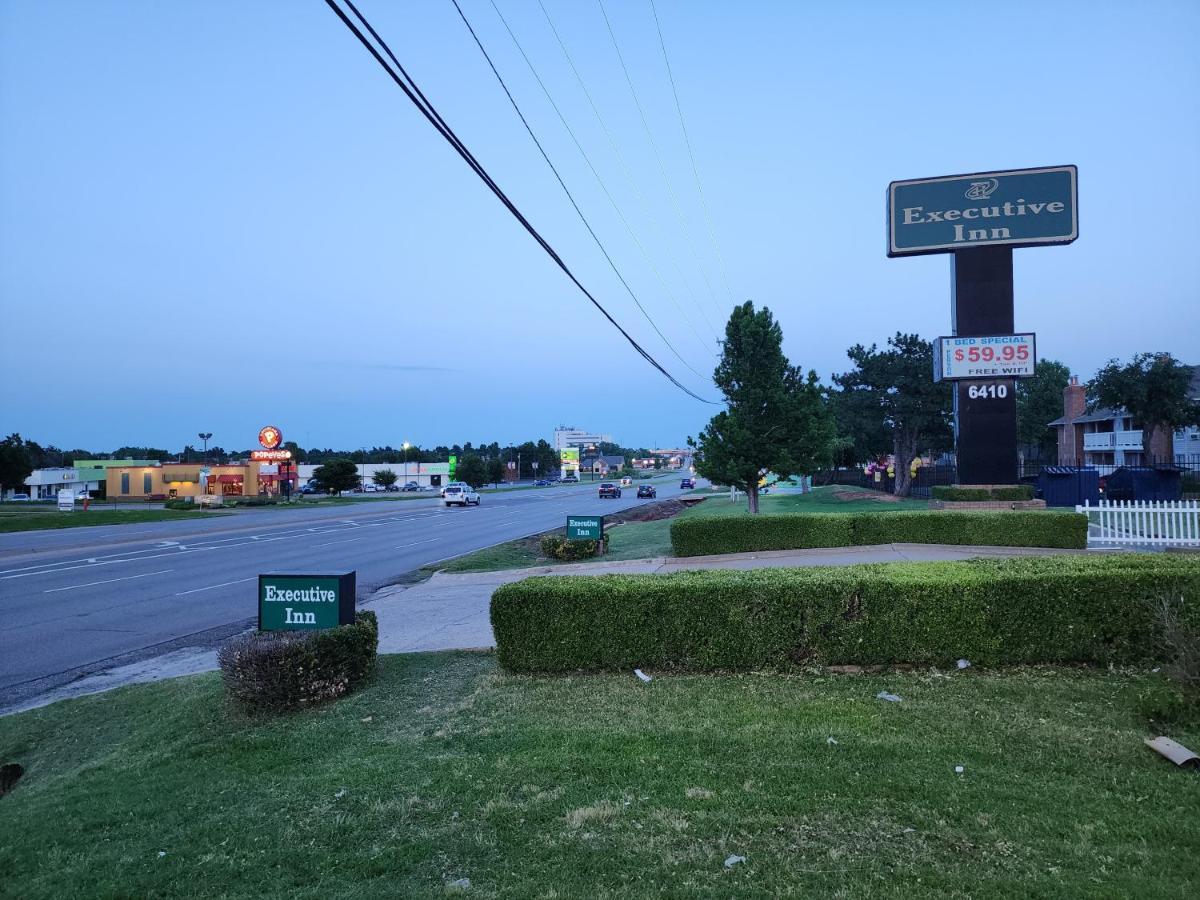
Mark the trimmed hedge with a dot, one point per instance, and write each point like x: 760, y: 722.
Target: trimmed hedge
x: 278, y: 670
x: 1064, y: 609
x: 556, y: 546
x: 953, y: 493
x: 702, y: 535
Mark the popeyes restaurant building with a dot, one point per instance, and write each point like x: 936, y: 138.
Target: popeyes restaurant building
x: 167, y: 481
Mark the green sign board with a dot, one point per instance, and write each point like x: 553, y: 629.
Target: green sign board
x: 585, y: 528
x: 1018, y: 208
x: 453, y: 468
x: 305, y: 602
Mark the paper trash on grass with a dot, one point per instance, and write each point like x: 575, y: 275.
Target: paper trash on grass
x: 963, y: 664
x: 958, y: 770
x: 831, y: 740
x: 890, y: 698
x: 733, y: 859
x: 642, y: 675
x: 1175, y: 752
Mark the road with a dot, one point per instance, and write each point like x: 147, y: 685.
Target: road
x: 80, y: 599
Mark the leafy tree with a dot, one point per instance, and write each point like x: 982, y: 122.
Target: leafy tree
x: 336, y: 475
x: 861, y: 434
x: 495, y: 470
x: 897, y: 383
x: 471, y: 469
x: 15, y: 463
x: 1040, y: 400
x: 298, y: 454
x: 1153, y: 388
x: 775, y: 420
x: 384, y: 478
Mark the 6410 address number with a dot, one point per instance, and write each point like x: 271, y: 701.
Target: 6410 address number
x: 987, y: 391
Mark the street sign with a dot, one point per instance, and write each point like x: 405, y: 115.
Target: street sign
x: 987, y: 356
x: 66, y: 500
x: 1021, y: 207
x: 585, y: 528
x: 305, y: 602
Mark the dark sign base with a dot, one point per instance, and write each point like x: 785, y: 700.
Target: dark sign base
x: 985, y: 425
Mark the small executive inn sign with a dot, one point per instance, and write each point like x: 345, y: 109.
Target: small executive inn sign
x: 305, y: 602
x: 1023, y: 207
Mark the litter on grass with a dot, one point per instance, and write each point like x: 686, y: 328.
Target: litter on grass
x: 733, y: 859
x: 958, y: 770
x: 1175, y: 752
x: 964, y: 664
x: 460, y: 884
x: 830, y: 740
x: 642, y: 675
x: 890, y: 698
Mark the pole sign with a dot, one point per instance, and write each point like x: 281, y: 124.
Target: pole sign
x: 305, y: 602
x: 585, y: 528
x: 1020, y: 207
x: 452, y: 468
x: 989, y: 356
x: 66, y: 500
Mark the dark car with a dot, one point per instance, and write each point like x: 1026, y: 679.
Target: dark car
x: 311, y: 488
x: 541, y: 482
x: 609, y: 490
x: 647, y: 490
x: 410, y: 486
x: 687, y: 484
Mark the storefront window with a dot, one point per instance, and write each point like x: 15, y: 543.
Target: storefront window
x: 124, y: 482
x: 147, y: 483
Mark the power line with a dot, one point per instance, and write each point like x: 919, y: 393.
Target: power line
x: 603, y: 187
x: 567, y: 191
x: 411, y: 90
x: 687, y: 232
x: 712, y: 235
x: 617, y: 152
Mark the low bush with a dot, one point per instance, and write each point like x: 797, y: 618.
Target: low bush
x: 180, y: 503
x: 701, y: 535
x: 280, y: 670
x: 953, y: 493
x: 1061, y: 609
x: 556, y: 546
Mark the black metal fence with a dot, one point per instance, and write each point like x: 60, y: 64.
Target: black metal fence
x: 1172, y: 478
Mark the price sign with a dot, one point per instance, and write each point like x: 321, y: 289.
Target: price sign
x: 985, y: 356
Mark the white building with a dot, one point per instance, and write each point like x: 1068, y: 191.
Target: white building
x: 569, y: 436
x: 424, y: 474
x: 44, y: 484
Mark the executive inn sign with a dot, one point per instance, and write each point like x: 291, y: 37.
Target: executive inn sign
x: 1026, y: 207
x: 980, y: 218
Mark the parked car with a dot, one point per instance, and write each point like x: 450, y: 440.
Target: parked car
x: 19, y: 498
x: 541, y: 482
x: 609, y: 490
x: 457, y: 484
x: 686, y: 484
x: 410, y: 486
x: 311, y: 488
x: 626, y: 482
x: 571, y: 479
x: 647, y: 490
x: 459, y: 495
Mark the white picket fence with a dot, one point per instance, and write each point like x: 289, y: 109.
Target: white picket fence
x: 1144, y: 522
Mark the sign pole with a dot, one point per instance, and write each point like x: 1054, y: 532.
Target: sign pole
x: 985, y: 411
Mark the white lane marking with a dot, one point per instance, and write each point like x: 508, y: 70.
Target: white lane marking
x: 330, y: 543
x: 406, y: 546
x: 509, y: 522
x: 108, y: 581
x: 213, y: 586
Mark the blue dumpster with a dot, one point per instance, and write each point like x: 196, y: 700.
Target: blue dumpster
x: 1145, y: 483
x: 1069, y: 485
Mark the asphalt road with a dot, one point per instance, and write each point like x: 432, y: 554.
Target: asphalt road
x: 78, y: 600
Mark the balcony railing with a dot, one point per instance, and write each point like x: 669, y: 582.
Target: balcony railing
x: 1110, y: 440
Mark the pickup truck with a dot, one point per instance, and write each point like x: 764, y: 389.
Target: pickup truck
x: 459, y: 495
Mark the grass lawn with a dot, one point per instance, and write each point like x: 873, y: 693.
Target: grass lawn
x: 29, y: 520
x: 601, y: 786
x: 821, y: 499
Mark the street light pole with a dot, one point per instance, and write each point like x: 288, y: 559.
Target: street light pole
x: 405, y: 447
x: 204, y: 436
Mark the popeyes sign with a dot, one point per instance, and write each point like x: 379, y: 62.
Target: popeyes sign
x: 270, y: 437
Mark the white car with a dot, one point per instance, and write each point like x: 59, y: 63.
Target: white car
x: 459, y: 495
x: 457, y: 484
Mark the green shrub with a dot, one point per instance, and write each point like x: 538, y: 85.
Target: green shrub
x: 701, y: 535
x: 180, y: 503
x: 556, y: 546
x: 962, y: 494
x: 1062, y: 609
x: 278, y: 670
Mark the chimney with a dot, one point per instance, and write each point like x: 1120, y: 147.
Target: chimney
x: 1074, y: 399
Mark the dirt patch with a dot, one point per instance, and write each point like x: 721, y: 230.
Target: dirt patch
x: 651, y: 512
x: 865, y: 495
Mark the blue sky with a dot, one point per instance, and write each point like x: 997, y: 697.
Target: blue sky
x: 216, y: 215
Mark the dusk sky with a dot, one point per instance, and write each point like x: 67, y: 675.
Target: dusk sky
x: 215, y: 215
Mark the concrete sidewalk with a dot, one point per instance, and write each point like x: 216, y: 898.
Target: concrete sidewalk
x: 451, y: 612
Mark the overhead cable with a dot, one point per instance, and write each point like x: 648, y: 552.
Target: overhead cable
x: 710, y: 347
x: 566, y: 190
x: 411, y: 90
x: 712, y: 235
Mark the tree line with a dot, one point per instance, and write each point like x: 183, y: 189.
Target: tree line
x: 780, y: 419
